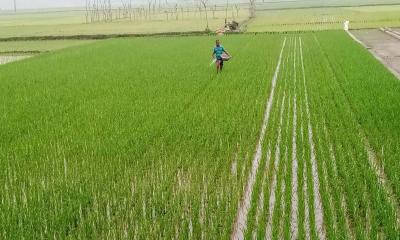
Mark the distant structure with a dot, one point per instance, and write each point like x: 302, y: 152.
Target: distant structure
x: 229, y: 27
x: 346, y: 25
x: 15, y: 5
x: 232, y: 26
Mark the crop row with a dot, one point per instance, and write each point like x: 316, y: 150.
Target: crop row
x: 139, y: 138
x: 372, y: 94
x: 319, y: 177
x: 355, y: 185
x: 133, y: 138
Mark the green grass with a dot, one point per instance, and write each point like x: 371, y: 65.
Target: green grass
x: 325, y: 18
x: 129, y: 138
x: 40, y: 45
x: 366, y: 199
x: 117, y: 140
x: 375, y: 116
x: 355, y: 204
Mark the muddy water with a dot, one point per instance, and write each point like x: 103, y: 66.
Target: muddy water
x: 9, y: 58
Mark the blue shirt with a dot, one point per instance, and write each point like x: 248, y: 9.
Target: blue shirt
x: 218, y: 51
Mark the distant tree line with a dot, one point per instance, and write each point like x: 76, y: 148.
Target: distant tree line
x: 105, y: 11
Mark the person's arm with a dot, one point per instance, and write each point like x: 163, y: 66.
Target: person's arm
x: 213, y: 54
x: 226, y: 52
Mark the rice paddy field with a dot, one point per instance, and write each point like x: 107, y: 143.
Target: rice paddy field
x: 298, y: 138
x: 271, y: 16
x: 324, y: 18
x: 72, y: 22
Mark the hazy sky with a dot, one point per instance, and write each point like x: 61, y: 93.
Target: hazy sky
x: 29, y: 4
x: 9, y: 4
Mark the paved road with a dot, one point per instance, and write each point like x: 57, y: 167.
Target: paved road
x: 382, y: 45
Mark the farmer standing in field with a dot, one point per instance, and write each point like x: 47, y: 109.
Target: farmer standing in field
x: 220, y: 55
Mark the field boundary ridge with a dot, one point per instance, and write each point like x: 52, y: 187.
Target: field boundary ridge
x: 103, y: 36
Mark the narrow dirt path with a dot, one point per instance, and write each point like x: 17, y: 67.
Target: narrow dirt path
x: 240, y: 223
x: 318, y: 211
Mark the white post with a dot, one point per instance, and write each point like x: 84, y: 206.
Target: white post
x: 346, y: 25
